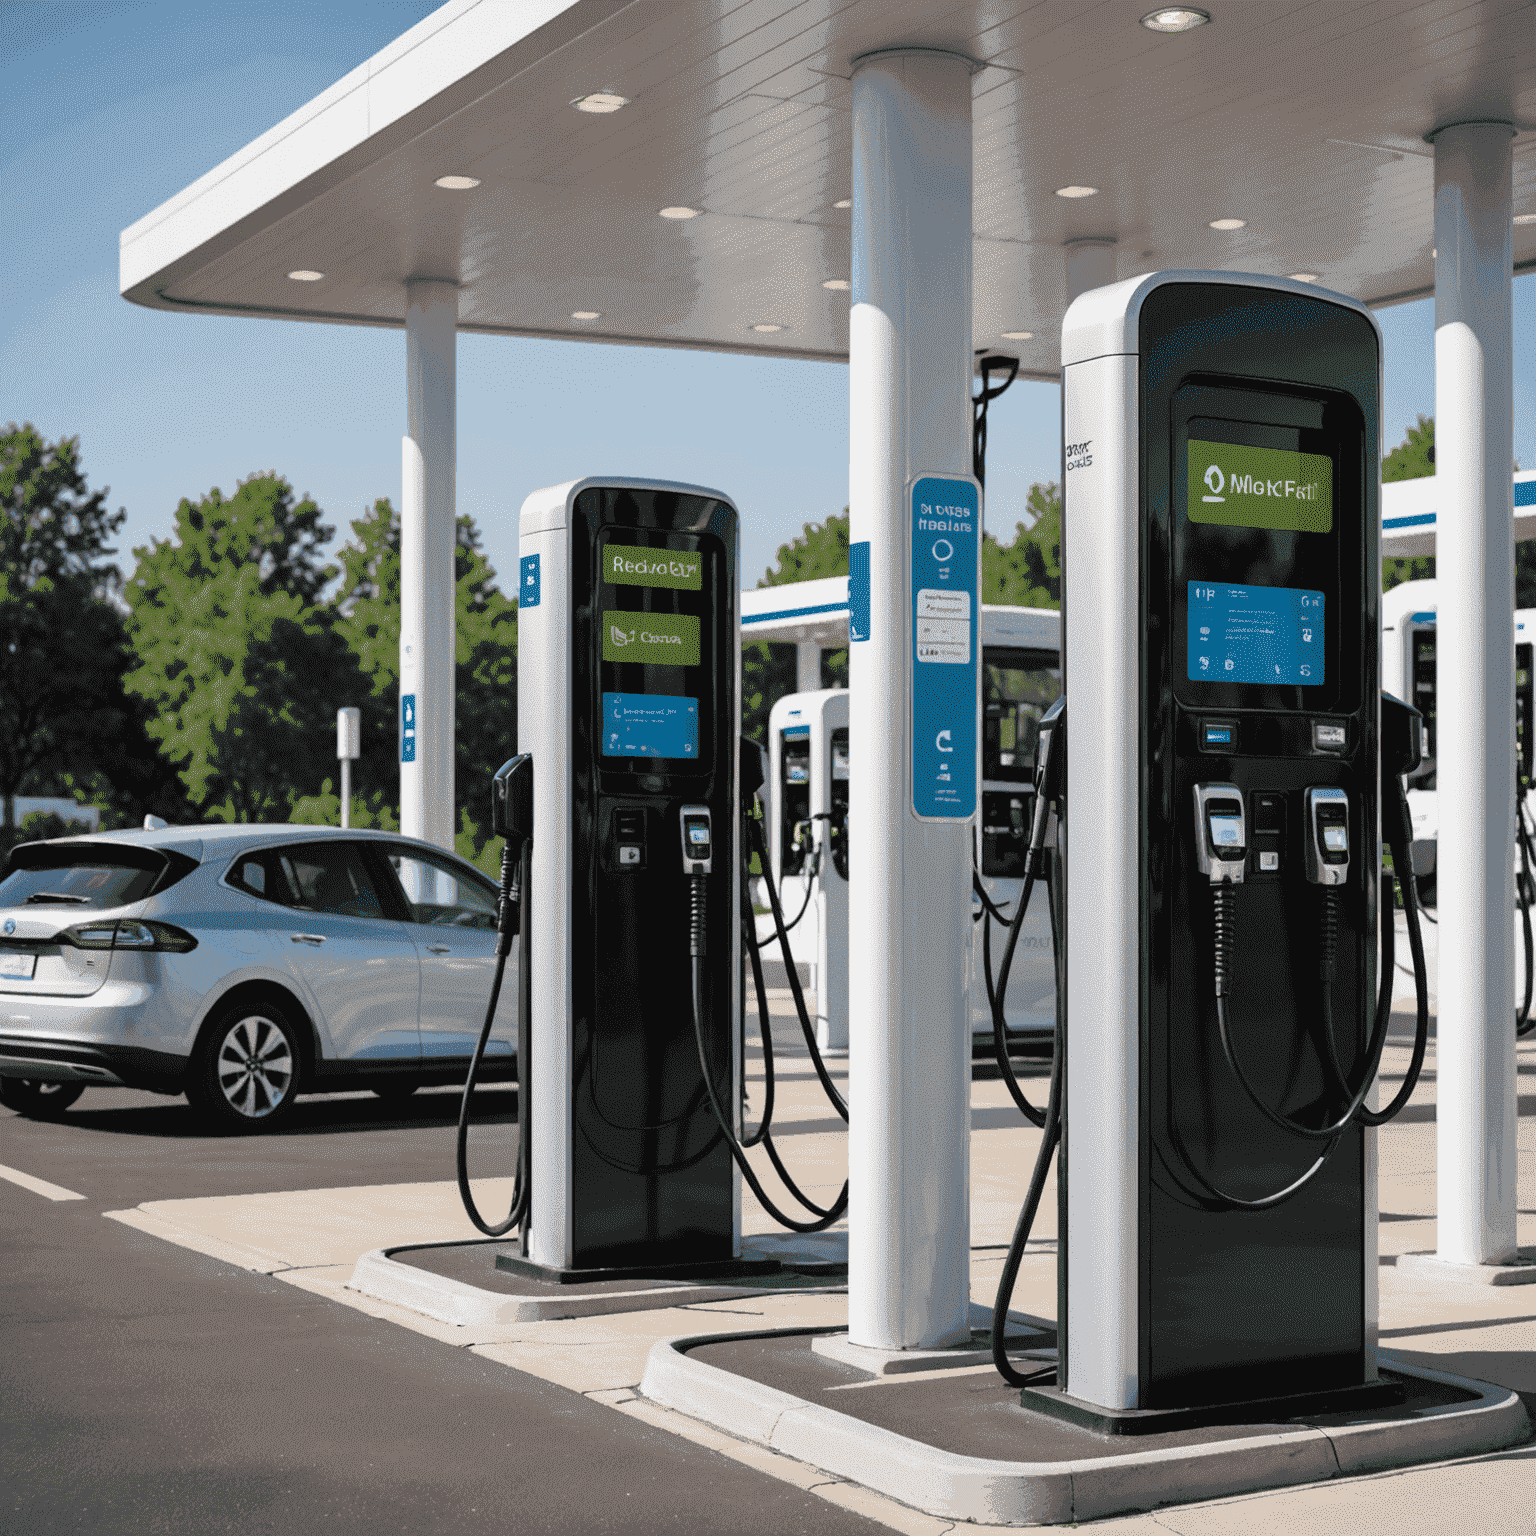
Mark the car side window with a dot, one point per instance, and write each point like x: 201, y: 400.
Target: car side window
x: 441, y: 894
x: 314, y: 877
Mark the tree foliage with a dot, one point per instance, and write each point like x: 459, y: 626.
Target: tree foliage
x: 62, y: 644
x: 241, y: 667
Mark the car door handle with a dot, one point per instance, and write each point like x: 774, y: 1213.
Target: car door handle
x: 440, y: 949
x: 307, y: 938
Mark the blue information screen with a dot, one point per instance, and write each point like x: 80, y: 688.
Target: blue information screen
x: 650, y: 725
x: 1255, y: 634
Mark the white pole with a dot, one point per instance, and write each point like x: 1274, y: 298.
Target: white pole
x: 346, y: 792
x: 909, y: 918
x: 808, y: 666
x: 1475, y: 736
x: 426, y: 563
x: 349, y: 744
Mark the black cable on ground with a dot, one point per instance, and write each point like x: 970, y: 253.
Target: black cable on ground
x: 513, y: 893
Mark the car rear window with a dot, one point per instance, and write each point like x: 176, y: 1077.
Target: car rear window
x: 88, y: 876
x: 315, y: 877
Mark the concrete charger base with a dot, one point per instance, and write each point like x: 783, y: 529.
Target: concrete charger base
x: 1429, y: 1266
x: 951, y: 1486
x: 380, y: 1275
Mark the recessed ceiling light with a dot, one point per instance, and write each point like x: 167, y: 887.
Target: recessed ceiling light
x: 680, y: 213
x: 847, y: 202
x: 767, y: 328
x: 1525, y: 218
x: 1228, y: 223
x: 586, y: 314
x: 1077, y: 191
x: 305, y: 275
x: 837, y: 284
x: 1018, y: 335
x: 456, y: 183
x: 1175, y: 18
x: 1303, y: 277
x: 600, y: 101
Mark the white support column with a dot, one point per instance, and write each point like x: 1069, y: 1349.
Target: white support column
x: 427, y: 503
x: 1090, y: 264
x: 807, y: 666
x: 909, y: 920
x: 1475, y: 735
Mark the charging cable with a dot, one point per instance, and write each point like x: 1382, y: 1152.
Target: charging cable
x: 512, y: 820
x: 698, y: 862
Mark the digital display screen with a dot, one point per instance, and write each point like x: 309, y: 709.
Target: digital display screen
x: 632, y: 565
x: 1226, y: 831
x: 1336, y: 839
x: 650, y: 725
x: 654, y: 639
x: 1241, y: 486
x: 1255, y: 634
x: 698, y: 834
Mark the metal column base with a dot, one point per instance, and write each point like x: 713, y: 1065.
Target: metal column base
x: 720, y: 1269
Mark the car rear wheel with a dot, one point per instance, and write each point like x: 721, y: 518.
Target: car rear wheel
x: 246, y: 1075
x: 38, y: 1100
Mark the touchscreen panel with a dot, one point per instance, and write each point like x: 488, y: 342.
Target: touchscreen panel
x: 1247, y: 634
x: 654, y: 617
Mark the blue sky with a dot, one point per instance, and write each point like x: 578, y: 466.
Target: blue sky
x: 107, y: 109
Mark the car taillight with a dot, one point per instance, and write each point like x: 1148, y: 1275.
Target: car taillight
x: 129, y: 933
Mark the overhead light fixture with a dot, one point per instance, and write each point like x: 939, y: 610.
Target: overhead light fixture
x: 1018, y: 335
x: 1175, y: 18
x: 1525, y: 218
x: 600, y: 101
x: 847, y: 202
x: 1303, y: 277
x: 305, y: 275
x: 456, y: 183
x: 586, y: 314
x: 767, y: 328
x: 837, y: 284
x: 680, y: 212
x: 1228, y: 223
x: 1077, y: 191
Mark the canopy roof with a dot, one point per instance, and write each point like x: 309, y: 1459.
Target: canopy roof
x: 1305, y: 119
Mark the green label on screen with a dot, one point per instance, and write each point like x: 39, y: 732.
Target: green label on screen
x: 656, y: 639
x: 630, y: 565
x: 1260, y: 487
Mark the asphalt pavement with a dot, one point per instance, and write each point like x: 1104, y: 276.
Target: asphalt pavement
x: 147, y: 1388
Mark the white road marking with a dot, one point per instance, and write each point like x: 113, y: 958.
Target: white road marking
x: 38, y: 1186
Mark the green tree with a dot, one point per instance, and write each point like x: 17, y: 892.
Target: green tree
x: 62, y: 652
x: 1026, y: 573
x: 240, y: 666
x: 485, y: 705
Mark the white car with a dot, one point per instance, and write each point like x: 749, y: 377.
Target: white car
x: 242, y: 966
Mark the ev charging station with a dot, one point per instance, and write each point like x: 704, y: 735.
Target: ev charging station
x: 628, y: 669
x: 808, y: 844
x: 1221, y: 669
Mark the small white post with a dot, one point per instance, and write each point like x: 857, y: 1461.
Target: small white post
x: 349, y: 745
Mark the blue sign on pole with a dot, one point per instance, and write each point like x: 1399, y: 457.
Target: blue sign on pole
x: 946, y: 560
x: 528, y: 587
x: 858, y: 590
x: 407, y: 727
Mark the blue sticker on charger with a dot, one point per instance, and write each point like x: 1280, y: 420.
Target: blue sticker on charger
x: 528, y: 587
x: 946, y: 559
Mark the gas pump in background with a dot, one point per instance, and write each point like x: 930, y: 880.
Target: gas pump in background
x: 808, y: 754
